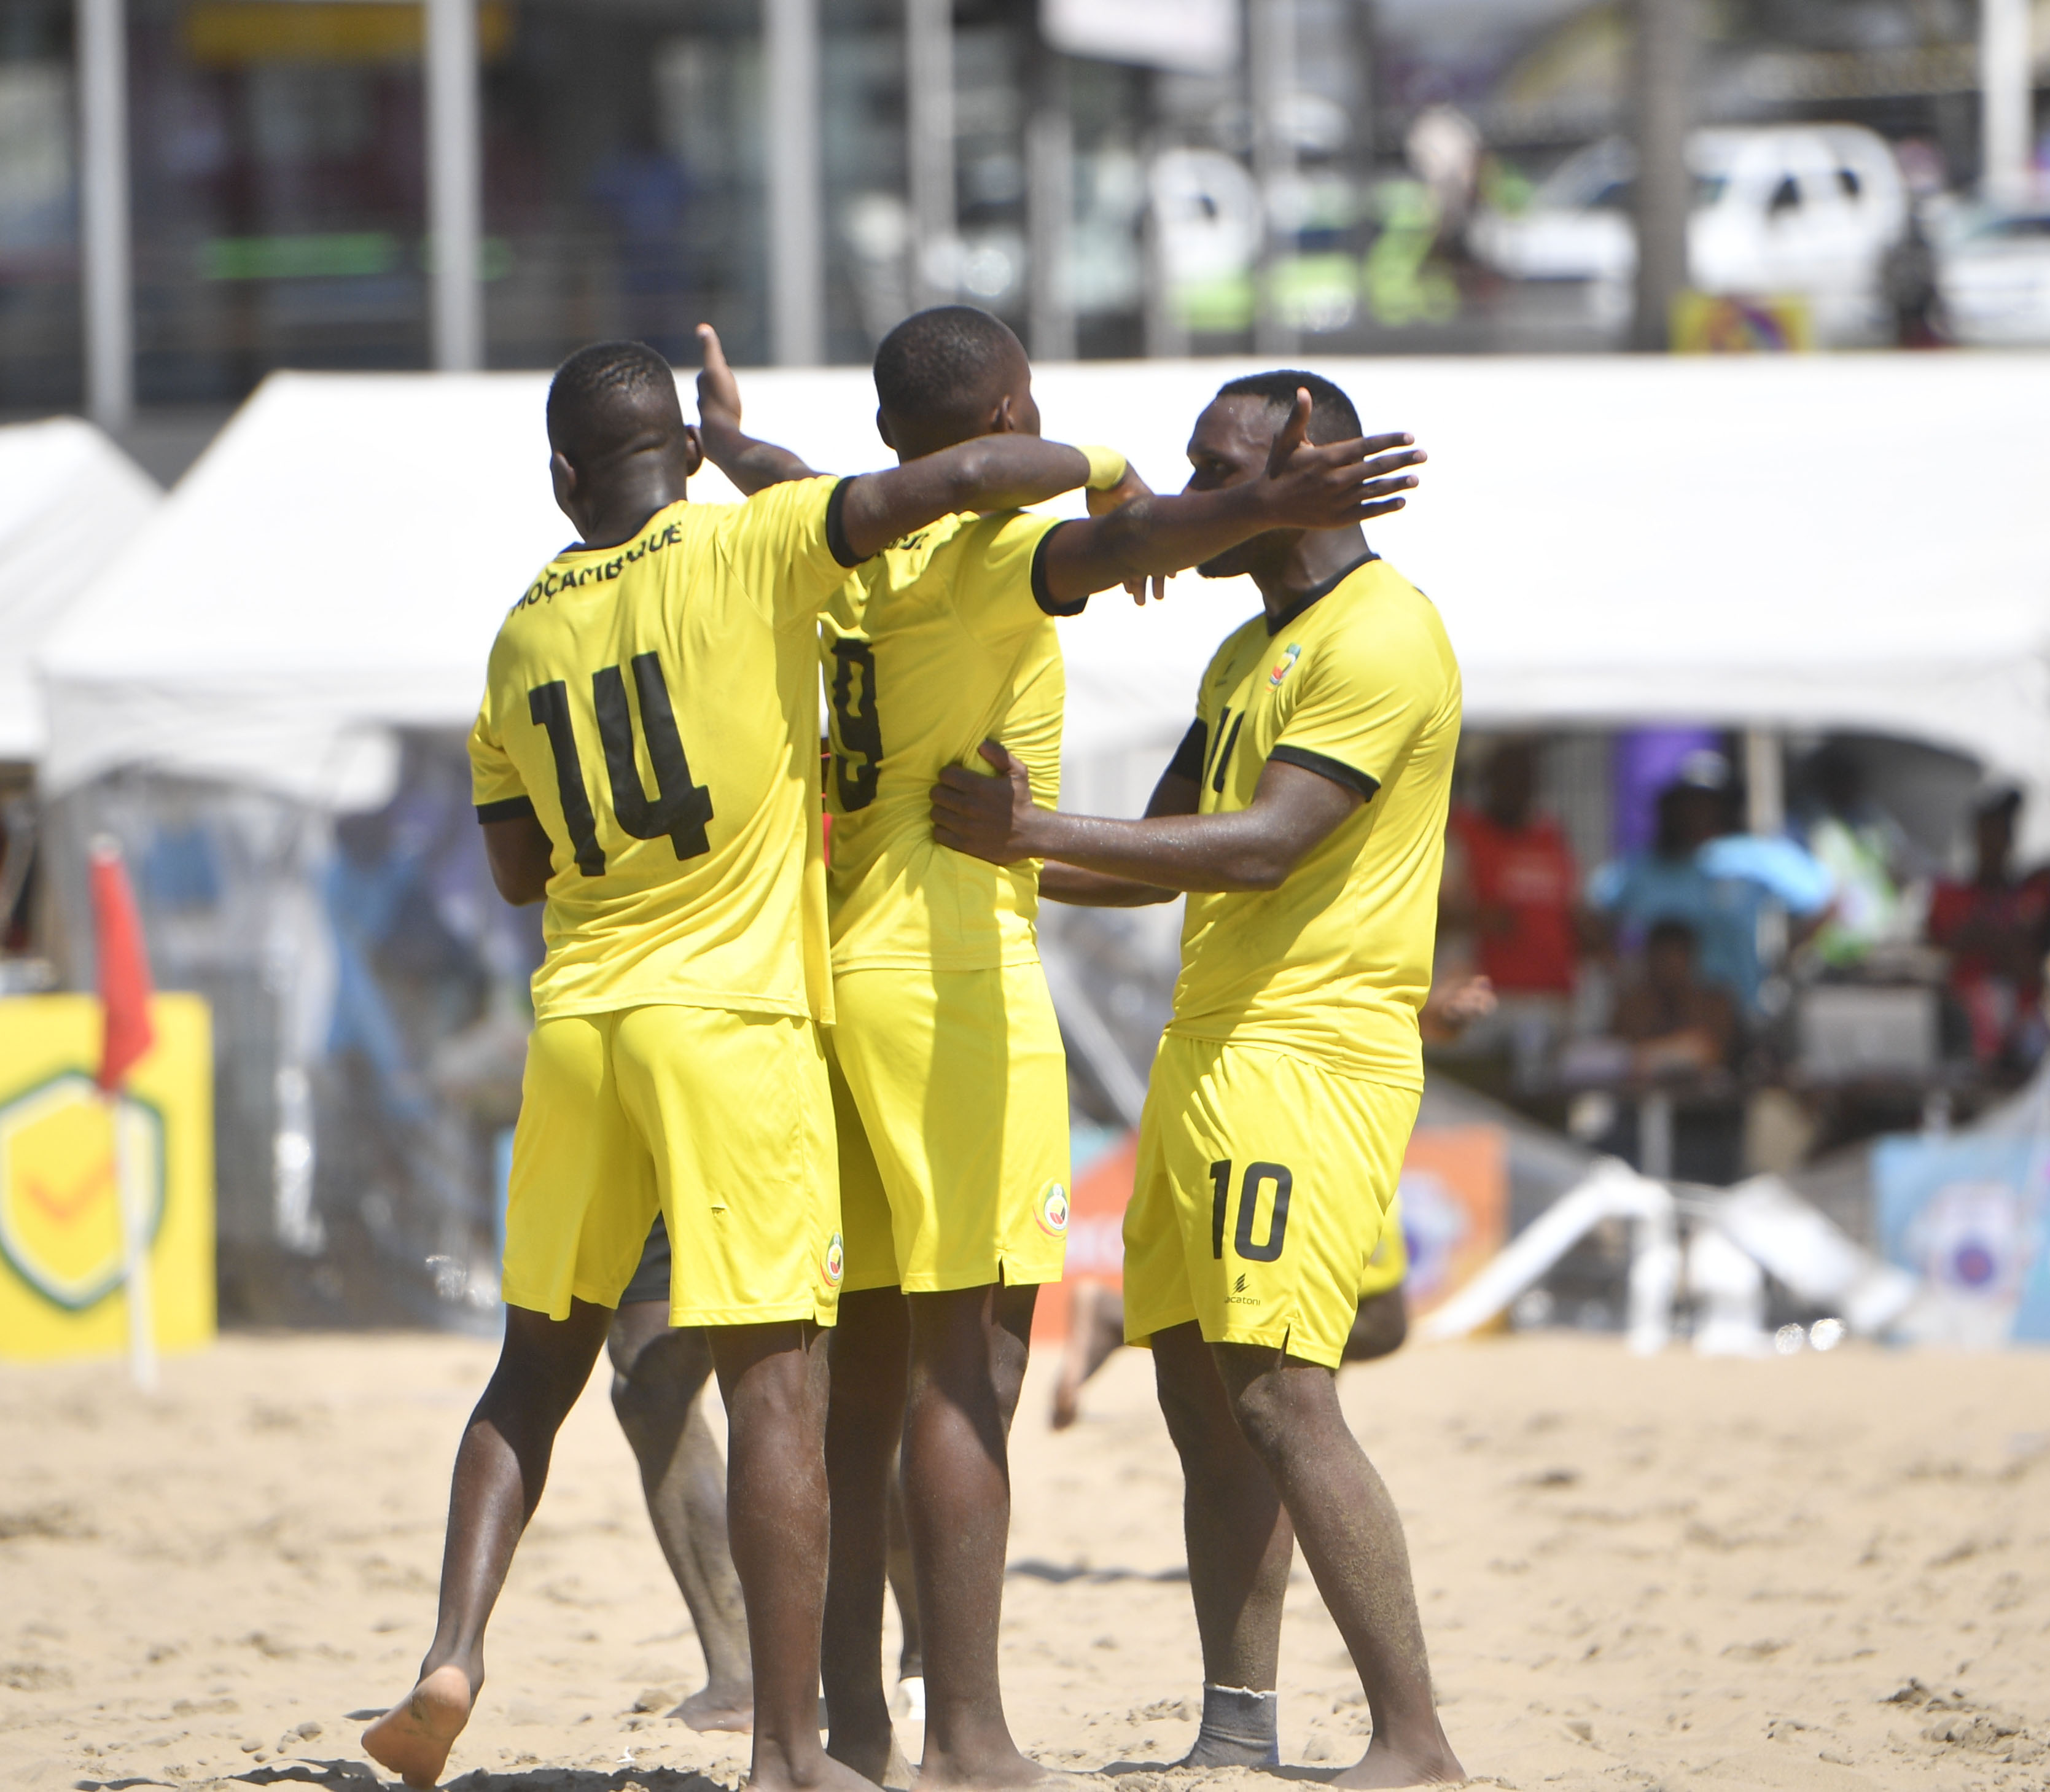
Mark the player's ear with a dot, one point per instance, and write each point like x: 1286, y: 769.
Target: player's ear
x: 883, y: 428
x: 563, y: 477
x: 1002, y: 420
x: 693, y: 449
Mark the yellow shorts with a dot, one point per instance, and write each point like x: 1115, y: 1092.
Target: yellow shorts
x: 1263, y: 1185
x: 1388, y: 1265
x: 950, y: 1100
x: 721, y: 1121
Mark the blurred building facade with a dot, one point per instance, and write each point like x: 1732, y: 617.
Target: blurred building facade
x: 1193, y: 177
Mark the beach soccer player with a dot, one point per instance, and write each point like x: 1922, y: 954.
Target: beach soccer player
x: 1304, y: 815
x: 952, y: 1084
x: 646, y: 760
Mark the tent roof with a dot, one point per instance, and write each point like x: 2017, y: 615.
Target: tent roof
x: 68, y: 498
x: 1844, y: 541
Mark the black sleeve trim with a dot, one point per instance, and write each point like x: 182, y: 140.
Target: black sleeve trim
x: 510, y: 809
x: 1337, y: 770
x: 836, y: 543
x: 1188, y: 760
x: 1043, y: 597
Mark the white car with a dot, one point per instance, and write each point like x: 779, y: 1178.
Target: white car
x: 1993, y: 270
x: 1809, y: 210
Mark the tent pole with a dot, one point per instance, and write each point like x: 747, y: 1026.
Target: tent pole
x: 1050, y: 204
x: 1270, y: 64
x: 797, y: 259
x: 928, y: 59
x: 108, y: 274
x: 455, y: 196
x: 2004, y: 101
x: 1662, y: 73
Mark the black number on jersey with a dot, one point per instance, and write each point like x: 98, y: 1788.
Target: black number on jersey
x: 859, y: 727
x: 679, y: 808
x: 1256, y: 1175
x: 1227, y: 740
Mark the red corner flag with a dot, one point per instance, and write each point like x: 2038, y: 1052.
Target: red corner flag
x: 124, y: 966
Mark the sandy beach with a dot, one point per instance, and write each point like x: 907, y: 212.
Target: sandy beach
x: 1820, y: 1572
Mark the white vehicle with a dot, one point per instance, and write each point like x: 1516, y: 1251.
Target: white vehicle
x: 1993, y: 270
x: 1809, y: 210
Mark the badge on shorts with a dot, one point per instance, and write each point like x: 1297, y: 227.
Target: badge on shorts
x: 1051, y: 1210
x: 835, y: 1260
x: 1284, y: 665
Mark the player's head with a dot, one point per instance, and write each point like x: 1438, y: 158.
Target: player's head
x: 1669, y: 956
x: 1235, y: 433
x: 614, y: 423
x: 949, y: 375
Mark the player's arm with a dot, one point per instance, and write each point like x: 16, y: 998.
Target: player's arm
x: 1177, y: 793
x: 1293, y: 809
x: 1305, y: 487
x: 991, y: 472
x: 521, y: 857
x: 752, y: 465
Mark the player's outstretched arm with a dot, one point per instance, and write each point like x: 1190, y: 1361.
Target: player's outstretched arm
x: 990, y: 473
x: 520, y: 857
x: 1306, y: 486
x: 752, y: 465
x: 1254, y: 848
x: 1176, y: 794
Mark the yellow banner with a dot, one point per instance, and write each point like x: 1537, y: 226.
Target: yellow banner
x: 1716, y: 324
x: 61, y: 1285
x: 230, y: 32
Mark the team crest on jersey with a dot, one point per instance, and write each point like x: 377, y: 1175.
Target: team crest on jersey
x: 1283, y: 665
x: 835, y: 1264
x: 1051, y: 1210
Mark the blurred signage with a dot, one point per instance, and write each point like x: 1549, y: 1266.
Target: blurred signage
x: 61, y: 1238
x: 1971, y: 1217
x: 228, y: 33
x: 1455, y: 1196
x: 1194, y: 37
x: 1716, y: 324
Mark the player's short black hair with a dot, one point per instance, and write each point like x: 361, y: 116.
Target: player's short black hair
x: 1670, y: 930
x: 1332, y: 418
x: 940, y: 362
x: 597, y: 398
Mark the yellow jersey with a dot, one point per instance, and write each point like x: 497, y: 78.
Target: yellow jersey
x: 936, y: 644
x: 1357, y: 683
x: 655, y: 705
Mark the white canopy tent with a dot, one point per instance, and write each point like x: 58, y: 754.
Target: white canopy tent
x: 69, y: 498
x: 1844, y: 541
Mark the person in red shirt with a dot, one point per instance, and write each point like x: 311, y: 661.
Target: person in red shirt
x: 1995, y: 926
x: 1515, y: 884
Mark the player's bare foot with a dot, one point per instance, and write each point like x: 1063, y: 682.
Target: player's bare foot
x: 1381, y: 1766
x: 413, y: 1739
x: 870, y: 1751
x: 1019, y: 1771
x: 772, y: 1773
x: 718, y: 1707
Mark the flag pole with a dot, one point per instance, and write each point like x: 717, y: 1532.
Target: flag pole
x: 124, y: 993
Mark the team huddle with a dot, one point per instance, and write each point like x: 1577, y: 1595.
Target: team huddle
x: 831, y: 1097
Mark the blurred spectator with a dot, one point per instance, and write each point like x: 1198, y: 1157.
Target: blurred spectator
x: 644, y: 193
x: 1995, y: 927
x: 1676, y: 1022
x: 1862, y: 847
x: 1511, y: 880
x: 1700, y: 870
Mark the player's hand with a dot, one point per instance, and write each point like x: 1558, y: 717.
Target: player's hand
x: 986, y: 817
x: 719, y: 392
x: 1327, y: 486
x: 1102, y: 504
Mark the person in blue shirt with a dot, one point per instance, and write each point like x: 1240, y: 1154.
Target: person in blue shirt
x: 1700, y: 871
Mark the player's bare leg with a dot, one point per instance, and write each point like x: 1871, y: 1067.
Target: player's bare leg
x: 501, y: 1468
x: 658, y: 1373
x: 969, y: 1350
x: 1240, y: 1547
x: 774, y: 1379
x: 1288, y: 1411
x: 904, y: 1589
x: 870, y: 1352
x: 1382, y: 1323
x: 1096, y: 1328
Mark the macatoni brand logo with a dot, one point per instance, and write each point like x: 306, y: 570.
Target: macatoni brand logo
x: 835, y: 1260
x: 1284, y: 665
x: 60, y: 1192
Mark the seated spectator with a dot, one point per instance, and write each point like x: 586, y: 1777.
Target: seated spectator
x: 1996, y: 926
x: 1511, y: 881
x: 1676, y: 1024
x: 1700, y: 870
